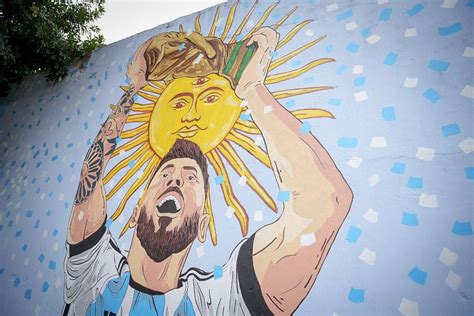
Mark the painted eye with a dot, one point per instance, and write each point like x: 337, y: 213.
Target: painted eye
x: 191, y: 178
x: 165, y: 175
x: 212, y: 98
x: 179, y: 105
x: 201, y: 80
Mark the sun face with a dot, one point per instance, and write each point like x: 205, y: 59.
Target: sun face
x: 205, y: 110
x: 200, y: 109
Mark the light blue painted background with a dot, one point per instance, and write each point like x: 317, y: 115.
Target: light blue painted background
x: 45, y: 131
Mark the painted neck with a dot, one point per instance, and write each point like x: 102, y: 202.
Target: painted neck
x: 158, y: 276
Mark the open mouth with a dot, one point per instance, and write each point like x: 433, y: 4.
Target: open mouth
x: 169, y: 204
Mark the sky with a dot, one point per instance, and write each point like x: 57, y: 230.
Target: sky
x: 124, y: 18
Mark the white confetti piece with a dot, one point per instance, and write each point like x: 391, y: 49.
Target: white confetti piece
x: 242, y: 180
x: 37, y: 310
x: 307, y: 239
x: 198, y: 59
x: 371, y: 216
x: 358, y: 69
x: 248, y: 112
x: 373, y: 180
x: 258, y: 216
x: 383, y: 1
x: 448, y: 257
x: 244, y: 103
x: 229, y: 212
x: 55, y: 246
x: 80, y: 216
x: 45, y: 233
x: 58, y: 283
x: 378, y: 142
x: 468, y: 92
x: 468, y: 52
x: 361, y: 96
x: 13, y: 257
x: 428, y: 200
x: 368, y: 256
x: 467, y: 145
x: 355, y: 162
x: 17, y: 219
x: 449, y: 4
x: 121, y: 219
x: 351, y: 26
x: 373, y: 39
x: 410, y: 82
x: 200, y: 251
x: 332, y: 7
x: 426, y: 154
x: 258, y: 140
x: 410, y: 32
x: 27, y: 261
x: 309, y: 33
x: 268, y: 109
x: 39, y: 275
x: 408, y: 308
x: 453, y: 280
x: 61, y: 197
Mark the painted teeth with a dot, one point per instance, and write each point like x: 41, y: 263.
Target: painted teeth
x: 170, y: 198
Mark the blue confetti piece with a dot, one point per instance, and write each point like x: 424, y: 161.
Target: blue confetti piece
x: 353, y: 234
x: 86, y: 125
x: 119, y: 68
x: 296, y: 63
x: 132, y: 163
x: 45, y: 286
x: 239, y: 37
x: 108, y: 223
x: 469, y: 172
x: 305, y: 128
x: 450, y: 130
x: 432, y: 95
x: 335, y: 102
x: 1, y: 271
x: 41, y: 258
x: 290, y: 104
x: 16, y: 282
x: 128, y: 80
x: 182, y: 46
x: 341, y: 69
x: 219, y: 180
x: 25, y: 246
x: 93, y: 99
x: 245, y: 117
x: 344, y: 15
x: 18, y: 233
x: 347, y: 142
x: 438, y: 65
x: 415, y: 183
x: 352, y: 47
x: 415, y: 9
x: 418, y: 276
x: 54, y: 158
x: 274, y: 54
x: 356, y: 295
x: 59, y: 178
x: 29, y: 213
x: 283, y: 196
x: 388, y: 113
x: 308, y: 80
x: 218, y: 272
x: 52, y: 265
x: 470, y: 3
x: 118, y: 140
x: 90, y: 87
x: 28, y: 294
x: 391, y: 59
x: 329, y: 48
x: 55, y: 232
x: 359, y: 81
x: 448, y: 30
x: 409, y: 219
x: 37, y: 223
x: 462, y: 228
x: 366, y: 32
x: 385, y: 14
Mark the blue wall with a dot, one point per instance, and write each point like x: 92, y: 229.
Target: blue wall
x: 403, y: 138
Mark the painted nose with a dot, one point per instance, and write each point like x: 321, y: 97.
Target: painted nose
x: 192, y: 115
x: 170, y: 182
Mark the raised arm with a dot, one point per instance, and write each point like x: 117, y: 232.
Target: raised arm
x: 89, y: 208
x: 288, y: 254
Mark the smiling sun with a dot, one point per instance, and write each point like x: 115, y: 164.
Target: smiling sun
x: 205, y: 110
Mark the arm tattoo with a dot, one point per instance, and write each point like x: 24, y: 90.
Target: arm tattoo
x: 102, y: 147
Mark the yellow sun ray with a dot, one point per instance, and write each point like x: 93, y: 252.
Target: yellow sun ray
x: 181, y: 29
x: 133, y: 188
x: 134, y: 131
x: 158, y: 84
x: 226, y: 150
x: 150, y: 97
x: 288, y: 37
x: 140, y: 162
x: 242, y: 24
x: 261, y: 21
x: 280, y: 23
x: 247, y: 129
x: 152, y: 89
x: 312, y: 113
x: 228, y: 192
x: 296, y: 72
x: 137, y: 118
x: 212, y: 224
x: 280, y: 61
x: 293, y: 92
x: 249, y: 145
x: 228, y: 23
x: 143, y: 108
x: 212, y: 31
x: 130, y: 144
x: 124, y: 162
x: 197, y: 24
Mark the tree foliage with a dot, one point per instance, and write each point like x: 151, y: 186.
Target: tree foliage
x: 45, y: 35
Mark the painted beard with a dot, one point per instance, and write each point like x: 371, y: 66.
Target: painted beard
x: 161, y: 244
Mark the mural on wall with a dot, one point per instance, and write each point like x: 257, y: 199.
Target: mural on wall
x: 202, y: 95
x: 381, y: 89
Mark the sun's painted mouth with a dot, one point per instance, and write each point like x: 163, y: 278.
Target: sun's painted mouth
x: 188, y: 132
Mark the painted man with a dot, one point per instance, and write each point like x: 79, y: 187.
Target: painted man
x: 269, y: 273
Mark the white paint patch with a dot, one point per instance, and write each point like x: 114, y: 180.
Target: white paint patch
x: 355, y: 162
x: 361, y: 96
x: 229, y: 212
x: 410, y: 32
x: 200, y: 251
x: 468, y: 92
x: 467, y: 145
x: 307, y: 239
x: 408, y: 308
x: 453, y: 280
x: 242, y: 180
x: 378, y: 142
x: 426, y: 154
x: 198, y: 59
x: 332, y: 7
x: 258, y: 216
x: 449, y: 4
x: 268, y: 109
x: 410, y: 82
x: 428, y: 200
x: 469, y: 52
x: 373, y: 39
x: 309, y: 33
x: 448, y: 257
x: 371, y: 216
x: 351, y: 26
x: 373, y: 180
x: 80, y: 216
x: 358, y: 69
x: 368, y: 256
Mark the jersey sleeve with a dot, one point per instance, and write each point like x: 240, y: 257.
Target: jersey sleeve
x: 232, y: 289
x: 89, y: 264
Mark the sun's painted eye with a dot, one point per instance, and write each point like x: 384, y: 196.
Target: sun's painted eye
x: 211, y: 98
x: 199, y: 81
x: 179, y: 105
